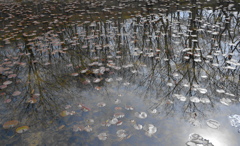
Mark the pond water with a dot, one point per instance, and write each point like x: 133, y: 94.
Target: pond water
x: 120, y: 73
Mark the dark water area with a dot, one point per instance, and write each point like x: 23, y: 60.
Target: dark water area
x: 120, y: 73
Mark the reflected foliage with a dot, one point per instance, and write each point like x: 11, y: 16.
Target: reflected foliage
x: 180, y: 55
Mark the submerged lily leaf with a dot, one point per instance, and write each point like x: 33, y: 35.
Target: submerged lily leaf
x: 22, y: 129
x: 77, y: 128
x: 10, y: 124
x: 64, y: 113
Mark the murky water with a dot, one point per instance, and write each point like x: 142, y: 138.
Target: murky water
x: 119, y: 73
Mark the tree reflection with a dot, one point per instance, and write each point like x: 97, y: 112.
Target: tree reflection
x: 186, y: 59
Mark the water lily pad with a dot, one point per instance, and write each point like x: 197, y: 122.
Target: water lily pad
x: 150, y: 129
x: 213, y: 123
x: 129, y: 108
x: 22, y: 129
x: 117, y: 101
x: 12, y: 75
x: 118, y: 108
x: 3, y: 86
x: 121, y: 133
x: 84, y: 108
x: 32, y: 100
x: 74, y: 74
x: 141, y: 115
x: 225, y: 101
x: 119, y: 115
x: 98, y: 88
x: 7, y: 100
x: 119, y: 123
x: 194, y: 99
x: 7, y: 82
x: 101, y: 104
x: 88, y: 128
x: 10, y: 124
x: 102, y: 136
x: 64, y: 113
x: 77, y: 128
x: 113, y: 121
x: 16, y: 93
x: 137, y: 126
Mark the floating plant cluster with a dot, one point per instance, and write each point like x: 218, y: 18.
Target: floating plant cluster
x: 116, y: 121
x: 181, y: 54
x: 14, y: 123
x: 235, y: 121
x: 196, y: 139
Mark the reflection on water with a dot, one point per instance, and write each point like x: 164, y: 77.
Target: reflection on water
x: 119, y: 73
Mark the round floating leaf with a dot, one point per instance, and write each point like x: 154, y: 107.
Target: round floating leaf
x: 117, y: 101
x: 7, y: 82
x: 88, y: 128
x: 10, y: 124
x: 113, y: 121
x: 141, y: 115
x: 74, y: 74
x: 7, y: 101
x: 118, y: 108
x: 150, y: 129
x: 98, y: 88
x: 16, y: 93
x: 64, y: 113
x: 119, y: 115
x: 12, y: 75
x: 102, y: 136
x: 119, y: 123
x: 121, y: 133
x: 32, y: 100
x: 213, y: 123
x: 225, y: 101
x: 194, y: 99
x: 137, y: 126
x: 101, y: 104
x: 77, y: 128
x: 3, y: 86
x: 22, y: 129
x: 129, y: 108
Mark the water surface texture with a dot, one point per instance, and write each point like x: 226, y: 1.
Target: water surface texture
x: 126, y: 72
